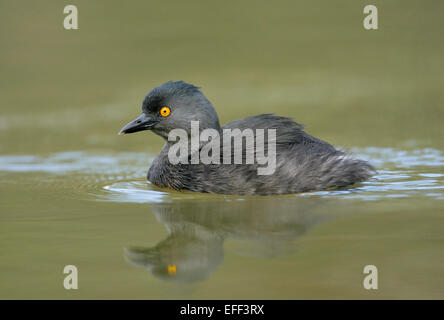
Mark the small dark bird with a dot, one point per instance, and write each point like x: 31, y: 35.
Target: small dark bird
x: 302, y: 163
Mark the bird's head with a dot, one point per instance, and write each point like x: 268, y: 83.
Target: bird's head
x: 173, y: 105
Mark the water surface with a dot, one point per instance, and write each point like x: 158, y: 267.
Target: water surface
x: 126, y: 229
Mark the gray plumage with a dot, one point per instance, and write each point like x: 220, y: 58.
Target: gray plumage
x: 303, y: 163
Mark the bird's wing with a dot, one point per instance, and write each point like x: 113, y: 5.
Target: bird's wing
x: 287, y: 134
x: 287, y: 130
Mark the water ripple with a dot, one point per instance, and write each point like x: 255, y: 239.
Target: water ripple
x: 120, y: 176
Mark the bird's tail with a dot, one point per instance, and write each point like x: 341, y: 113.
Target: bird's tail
x: 345, y: 170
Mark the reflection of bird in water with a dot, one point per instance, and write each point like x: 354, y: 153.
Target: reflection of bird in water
x: 302, y: 162
x: 197, y: 230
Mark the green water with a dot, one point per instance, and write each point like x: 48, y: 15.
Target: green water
x: 72, y: 192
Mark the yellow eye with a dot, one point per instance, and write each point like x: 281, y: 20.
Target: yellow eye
x: 172, y: 269
x: 165, y: 111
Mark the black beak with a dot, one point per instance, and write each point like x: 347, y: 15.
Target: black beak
x: 143, y: 122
